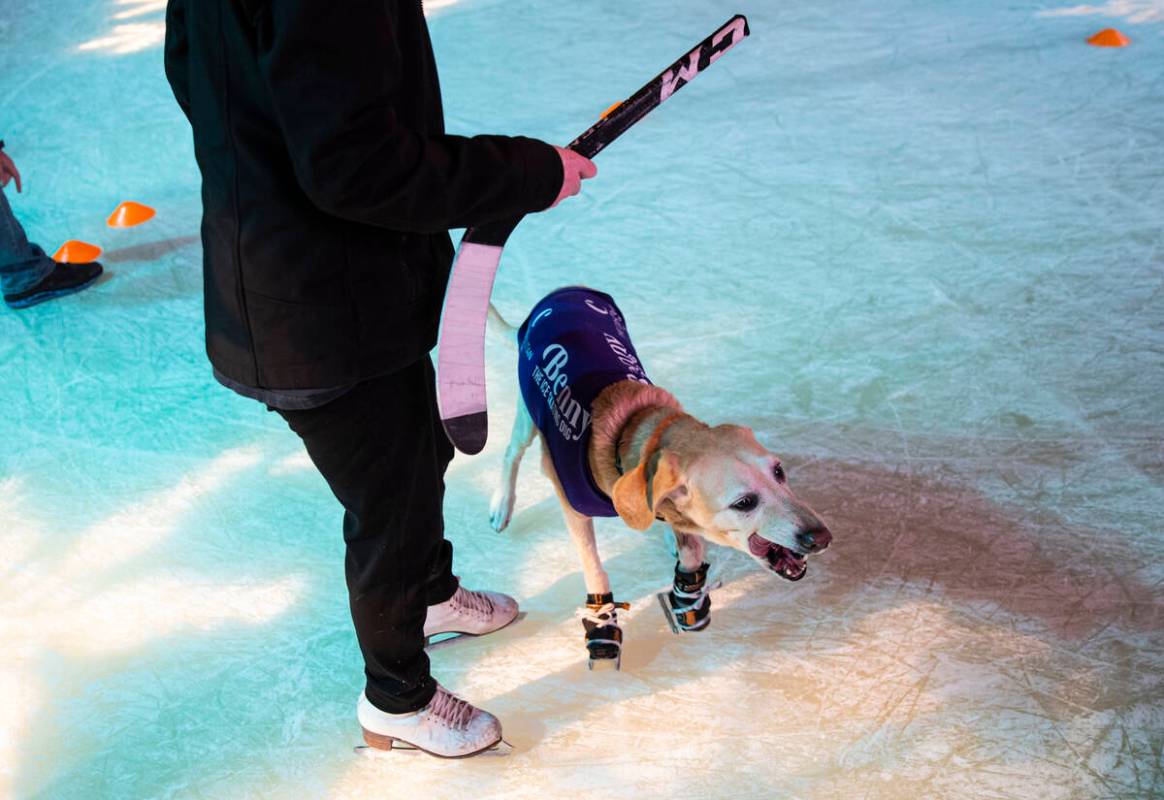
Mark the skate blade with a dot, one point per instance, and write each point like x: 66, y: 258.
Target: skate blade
x: 438, y: 641
x: 502, y: 748
x: 665, y: 602
x: 441, y: 640
x: 615, y: 663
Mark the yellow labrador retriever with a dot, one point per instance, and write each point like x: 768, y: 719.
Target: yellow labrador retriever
x: 614, y: 444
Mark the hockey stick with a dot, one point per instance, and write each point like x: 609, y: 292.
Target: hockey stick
x: 461, y: 356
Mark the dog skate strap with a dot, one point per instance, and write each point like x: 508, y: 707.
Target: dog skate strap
x: 689, y: 597
x: 597, y: 601
x: 690, y: 582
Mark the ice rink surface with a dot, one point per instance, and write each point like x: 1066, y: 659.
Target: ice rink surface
x: 916, y: 246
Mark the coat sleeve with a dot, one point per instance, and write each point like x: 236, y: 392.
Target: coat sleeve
x: 333, y: 77
x: 176, y: 48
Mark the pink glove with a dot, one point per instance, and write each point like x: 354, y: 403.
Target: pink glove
x: 575, y: 169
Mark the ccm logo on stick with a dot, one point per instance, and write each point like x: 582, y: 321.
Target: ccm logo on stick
x: 701, y: 58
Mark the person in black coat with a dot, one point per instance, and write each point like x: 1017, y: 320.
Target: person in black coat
x: 328, y: 189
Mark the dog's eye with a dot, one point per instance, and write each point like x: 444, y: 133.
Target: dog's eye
x: 778, y: 473
x: 746, y: 503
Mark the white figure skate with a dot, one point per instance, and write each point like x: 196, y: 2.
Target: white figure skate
x: 469, y: 613
x: 448, y: 727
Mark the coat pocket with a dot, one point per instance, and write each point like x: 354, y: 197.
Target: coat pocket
x: 302, y: 335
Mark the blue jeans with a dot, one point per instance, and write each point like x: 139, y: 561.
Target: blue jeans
x: 22, y: 264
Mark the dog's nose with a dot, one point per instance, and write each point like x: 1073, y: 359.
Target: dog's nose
x: 814, y: 540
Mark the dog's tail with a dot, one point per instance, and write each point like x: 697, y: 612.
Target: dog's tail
x: 502, y: 329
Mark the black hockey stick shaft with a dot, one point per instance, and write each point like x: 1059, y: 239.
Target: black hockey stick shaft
x: 622, y: 116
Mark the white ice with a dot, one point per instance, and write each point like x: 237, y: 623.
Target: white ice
x: 916, y: 246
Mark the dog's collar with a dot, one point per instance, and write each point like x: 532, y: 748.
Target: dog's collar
x: 618, y: 453
x: 651, y: 444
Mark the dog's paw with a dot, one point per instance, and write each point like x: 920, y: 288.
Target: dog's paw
x: 501, y: 510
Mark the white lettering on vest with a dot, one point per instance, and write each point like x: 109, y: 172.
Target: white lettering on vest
x: 557, y: 361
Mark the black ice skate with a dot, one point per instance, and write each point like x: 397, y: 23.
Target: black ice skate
x: 688, y: 605
x: 603, y: 636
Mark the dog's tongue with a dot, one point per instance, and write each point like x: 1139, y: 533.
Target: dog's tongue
x: 759, y: 546
x: 783, y: 561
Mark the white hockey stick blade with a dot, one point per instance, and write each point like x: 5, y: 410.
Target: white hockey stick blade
x: 461, y: 346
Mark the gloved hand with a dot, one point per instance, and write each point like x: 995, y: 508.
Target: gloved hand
x: 575, y: 169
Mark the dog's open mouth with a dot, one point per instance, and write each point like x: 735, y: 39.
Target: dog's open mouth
x: 784, y: 562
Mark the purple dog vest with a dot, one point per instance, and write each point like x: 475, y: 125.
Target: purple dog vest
x: 572, y: 346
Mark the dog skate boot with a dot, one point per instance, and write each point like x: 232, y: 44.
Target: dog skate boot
x: 603, y: 636
x: 469, y: 612
x: 688, y: 604
x: 448, y: 727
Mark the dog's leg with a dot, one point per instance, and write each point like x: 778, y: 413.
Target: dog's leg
x: 501, y: 507
x: 688, y: 605
x: 581, y: 528
x: 691, y: 549
x: 600, y: 615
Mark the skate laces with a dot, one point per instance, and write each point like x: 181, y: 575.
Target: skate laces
x: 477, y: 602
x: 449, y: 708
x: 604, y: 614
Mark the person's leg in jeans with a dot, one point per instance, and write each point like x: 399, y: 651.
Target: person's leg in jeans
x: 22, y: 264
x: 27, y: 275
x: 383, y: 453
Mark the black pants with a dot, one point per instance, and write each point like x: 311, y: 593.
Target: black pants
x: 383, y: 452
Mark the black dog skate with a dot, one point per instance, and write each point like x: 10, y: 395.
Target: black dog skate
x: 688, y: 605
x: 603, y: 636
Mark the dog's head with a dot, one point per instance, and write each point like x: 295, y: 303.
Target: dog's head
x: 720, y: 483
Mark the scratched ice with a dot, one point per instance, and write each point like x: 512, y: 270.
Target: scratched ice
x: 916, y: 246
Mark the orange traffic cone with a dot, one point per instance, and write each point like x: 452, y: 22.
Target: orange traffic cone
x: 76, y: 252
x: 129, y: 214
x: 1109, y: 37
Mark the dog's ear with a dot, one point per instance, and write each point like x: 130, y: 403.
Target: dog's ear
x: 630, y: 499
x: 635, y: 499
x: 669, y: 483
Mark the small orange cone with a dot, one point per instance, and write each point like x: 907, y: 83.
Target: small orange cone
x: 76, y: 252
x: 1109, y: 37
x: 129, y: 214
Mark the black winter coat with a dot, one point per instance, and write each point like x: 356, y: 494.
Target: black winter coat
x: 329, y: 185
